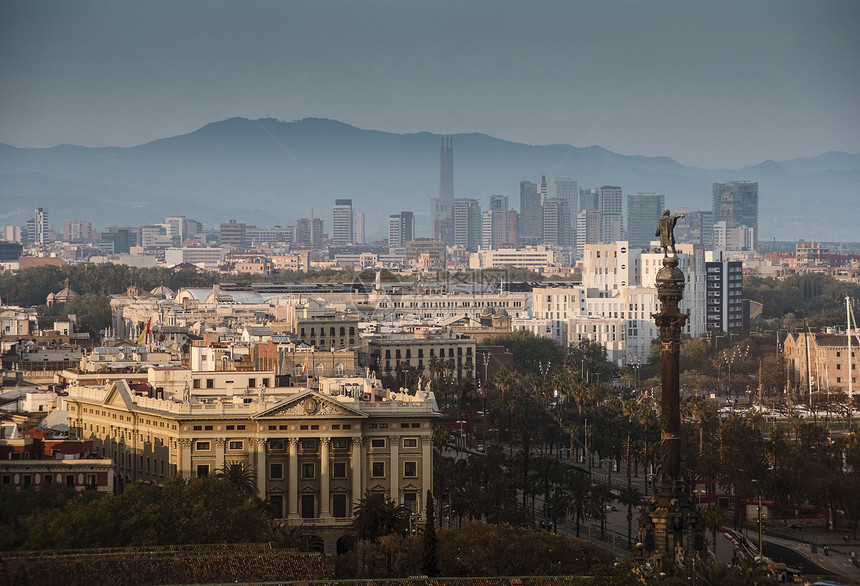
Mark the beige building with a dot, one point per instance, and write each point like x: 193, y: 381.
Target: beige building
x: 825, y: 365
x: 314, y: 452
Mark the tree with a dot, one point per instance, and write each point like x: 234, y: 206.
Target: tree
x: 377, y: 515
x: 240, y: 475
x: 430, y: 557
x: 714, y: 520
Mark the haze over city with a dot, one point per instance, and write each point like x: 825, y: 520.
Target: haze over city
x: 714, y: 85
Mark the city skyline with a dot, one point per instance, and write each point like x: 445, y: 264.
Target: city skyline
x: 660, y: 79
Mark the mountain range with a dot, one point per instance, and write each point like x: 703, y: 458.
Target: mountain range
x: 268, y: 172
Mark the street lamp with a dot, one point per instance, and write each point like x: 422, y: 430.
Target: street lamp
x: 758, y: 490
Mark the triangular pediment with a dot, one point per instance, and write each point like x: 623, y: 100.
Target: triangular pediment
x: 310, y: 405
x: 119, y: 395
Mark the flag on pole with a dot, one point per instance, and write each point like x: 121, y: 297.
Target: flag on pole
x: 305, y: 368
x: 141, y: 339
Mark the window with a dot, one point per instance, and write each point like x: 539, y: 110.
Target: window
x: 410, y: 442
x: 276, y: 471
x: 308, y: 470
x: 210, y: 383
x: 410, y: 501
x: 377, y: 470
x: 309, y: 445
x: 308, y: 506
x: 277, y: 503
x: 198, y: 428
x: 236, y: 445
x: 276, y: 445
x: 410, y: 469
x: 377, y: 442
x: 207, y: 428
x: 252, y: 382
x: 195, y: 383
x: 202, y: 470
x: 339, y: 443
x: 240, y: 427
x: 338, y: 470
x: 91, y: 481
x: 338, y: 505
x: 70, y: 480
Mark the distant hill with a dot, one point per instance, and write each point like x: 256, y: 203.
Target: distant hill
x: 268, y: 172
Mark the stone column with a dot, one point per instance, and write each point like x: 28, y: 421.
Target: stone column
x: 355, y: 469
x: 426, y: 466
x: 394, y: 455
x: 293, y: 489
x: 185, y: 470
x: 325, y: 480
x: 219, y: 453
x: 260, y: 467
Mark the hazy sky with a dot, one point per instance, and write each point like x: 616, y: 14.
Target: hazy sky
x: 710, y: 83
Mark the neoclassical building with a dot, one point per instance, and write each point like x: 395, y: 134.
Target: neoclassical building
x: 314, y: 451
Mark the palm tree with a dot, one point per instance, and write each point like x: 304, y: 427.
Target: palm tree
x: 714, y: 519
x: 240, y: 475
x: 577, y: 489
x: 549, y: 470
x: 376, y: 515
x: 630, y: 496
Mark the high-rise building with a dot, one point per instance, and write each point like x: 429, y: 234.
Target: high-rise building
x: 531, y: 214
x: 724, y: 286
x: 358, y: 226
x: 401, y: 229
x: 695, y: 227
x: 37, y: 228
x: 587, y: 229
x: 467, y: 223
x: 309, y: 231
x: 342, y: 222
x: 177, y: 228
x: 495, y: 223
x: 440, y: 207
x: 588, y: 199
x: 643, y: 213
x: 77, y: 231
x: 736, y: 204
x: 232, y: 234
x: 556, y: 222
x: 567, y: 189
x: 611, y: 204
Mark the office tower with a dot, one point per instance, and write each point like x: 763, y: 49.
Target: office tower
x: 37, y: 228
x: 556, y: 222
x: 542, y: 188
x: 696, y: 227
x: 499, y: 203
x: 531, y: 214
x: 513, y: 229
x: 358, y: 226
x: 736, y: 204
x: 178, y: 228
x: 495, y: 223
x: 467, y: 223
x: 233, y: 234
x: 77, y: 231
x: 440, y: 207
x: 588, y: 228
x: 342, y: 222
x: 643, y: 213
x: 122, y: 238
x: 309, y: 231
x: 566, y: 188
x: 588, y: 199
x: 611, y: 204
x: 401, y: 229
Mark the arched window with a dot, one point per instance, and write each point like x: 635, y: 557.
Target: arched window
x: 297, y: 369
x: 338, y: 369
x: 319, y: 369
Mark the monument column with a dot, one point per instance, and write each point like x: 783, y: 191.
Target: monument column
x: 671, y: 528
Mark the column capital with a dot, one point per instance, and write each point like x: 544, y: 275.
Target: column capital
x: 426, y: 439
x: 261, y: 441
x: 293, y: 441
x: 186, y: 442
x: 325, y: 440
x: 357, y: 441
x: 220, y: 441
x: 394, y: 439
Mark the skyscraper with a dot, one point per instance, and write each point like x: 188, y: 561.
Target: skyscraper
x: 566, y: 188
x: 342, y: 224
x: 440, y: 207
x: 643, y: 212
x: 736, y: 204
x: 467, y: 223
x: 401, y: 229
x: 611, y: 204
x: 38, y: 228
x: 556, y: 222
x: 495, y: 223
x: 531, y: 214
x: 358, y: 226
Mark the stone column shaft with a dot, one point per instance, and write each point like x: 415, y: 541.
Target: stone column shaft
x: 293, y: 491
x: 325, y: 480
